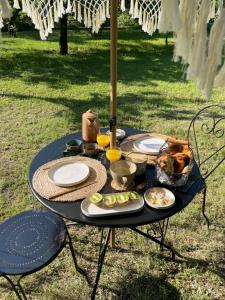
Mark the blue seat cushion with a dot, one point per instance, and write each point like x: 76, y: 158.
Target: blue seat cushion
x: 29, y: 241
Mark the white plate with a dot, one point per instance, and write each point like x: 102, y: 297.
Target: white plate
x: 164, y: 192
x: 120, y: 133
x: 68, y: 174
x: 91, y: 210
x: 149, y: 145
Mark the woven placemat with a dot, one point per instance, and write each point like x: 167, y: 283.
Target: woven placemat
x: 128, y: 149
x: 50, y: 191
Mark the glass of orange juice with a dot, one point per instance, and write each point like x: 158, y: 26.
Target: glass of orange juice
x: 103, y: 139
x: 113, y: 154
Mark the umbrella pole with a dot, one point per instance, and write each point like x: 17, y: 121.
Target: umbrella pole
x: 113, y: 86
x: 113, y: 71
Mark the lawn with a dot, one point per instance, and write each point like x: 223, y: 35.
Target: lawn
x: 43, y: 96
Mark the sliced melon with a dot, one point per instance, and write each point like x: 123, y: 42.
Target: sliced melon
x: 123, y: 199
x: 96, y: 198
x: 110, y: 201
x: 134, y: 196
x: 124, y: 196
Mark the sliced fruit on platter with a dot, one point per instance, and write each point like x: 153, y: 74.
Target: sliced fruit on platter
x: 123, y: 199
x: 96, y: 198
x: 134, y: 196
x: 110, y: 200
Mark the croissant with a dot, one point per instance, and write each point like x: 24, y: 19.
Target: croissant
x: 174, y: 148
x: 162, y: 161
x: 181, y: 160
x: 177, y: 158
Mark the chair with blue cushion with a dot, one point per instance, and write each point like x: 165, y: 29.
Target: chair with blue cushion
x: 29, y: 241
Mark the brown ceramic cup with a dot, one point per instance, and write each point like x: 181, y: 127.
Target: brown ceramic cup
x: 123, y: 173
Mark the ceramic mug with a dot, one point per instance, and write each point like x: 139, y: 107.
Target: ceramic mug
x: 123, y: 173
x: 141, y: 162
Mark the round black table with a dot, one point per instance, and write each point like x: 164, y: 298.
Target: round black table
x: 72, y: 211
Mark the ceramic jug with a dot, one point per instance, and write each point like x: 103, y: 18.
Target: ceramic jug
x: 90, y: 126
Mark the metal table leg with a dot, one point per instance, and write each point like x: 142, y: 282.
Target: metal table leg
x: 160, y: 242
x: 102, y: 251
x: 163, y: 225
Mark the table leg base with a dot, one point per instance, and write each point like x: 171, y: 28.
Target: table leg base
x: 159, y: 242
x: 102, y: 252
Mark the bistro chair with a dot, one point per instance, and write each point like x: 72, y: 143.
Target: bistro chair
x: 206, y: 134
x: 30, y: 241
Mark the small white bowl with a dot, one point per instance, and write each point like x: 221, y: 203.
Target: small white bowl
x: 164, y: 193
x: 120, y: 133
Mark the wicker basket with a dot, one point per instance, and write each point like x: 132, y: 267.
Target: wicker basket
x: 174, y: 179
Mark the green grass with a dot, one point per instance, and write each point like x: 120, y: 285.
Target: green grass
x: 42, y: 98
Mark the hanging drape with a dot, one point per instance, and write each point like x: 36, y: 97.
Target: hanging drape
x: 164, y: 15
x: 186, y: 18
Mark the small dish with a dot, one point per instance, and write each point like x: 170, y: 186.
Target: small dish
x: 149, y: 145
x: 68, y: 174
x: 159, y: 198
x: 74, y: 145
x: 90, y: 149
x: 120, y: 133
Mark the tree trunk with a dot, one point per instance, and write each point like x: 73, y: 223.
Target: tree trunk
x: 63, y: 35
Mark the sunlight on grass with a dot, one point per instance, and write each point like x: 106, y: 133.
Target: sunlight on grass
x: 43, y: 96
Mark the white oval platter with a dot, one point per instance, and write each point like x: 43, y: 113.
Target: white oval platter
x: 91, y: 210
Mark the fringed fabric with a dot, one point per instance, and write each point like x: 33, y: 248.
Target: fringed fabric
x: 220, y: 78
x: 151, y: 14
x: 169, y: 16
x: 198, y: 52
x: 214, y: 58
x: 147, y: 13
x: 123, y: 5
x: 93, y: 13
x: 183, y: 43
x: 16, y: 4
x: 5, y: 9
x: 5, y: 13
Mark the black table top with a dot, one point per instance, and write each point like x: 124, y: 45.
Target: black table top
x: 72, y: 210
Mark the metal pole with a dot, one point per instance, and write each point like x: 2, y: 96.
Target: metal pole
x: 113, y: 71
x: 113, y: 86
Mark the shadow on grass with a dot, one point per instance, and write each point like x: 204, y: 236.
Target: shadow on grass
x: 205, y: 266
x: 80, y: 34
x: 130, y: 108
x: 202, y: 265
x: 147, y: 287
x: 139, y: 60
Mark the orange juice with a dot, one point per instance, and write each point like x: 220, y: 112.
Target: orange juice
x: 113, y: 154
x: 103, y: 140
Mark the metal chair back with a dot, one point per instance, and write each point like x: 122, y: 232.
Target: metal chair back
x: 206, y: 134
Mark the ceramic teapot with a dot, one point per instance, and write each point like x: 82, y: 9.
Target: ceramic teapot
x: 90, y: 126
